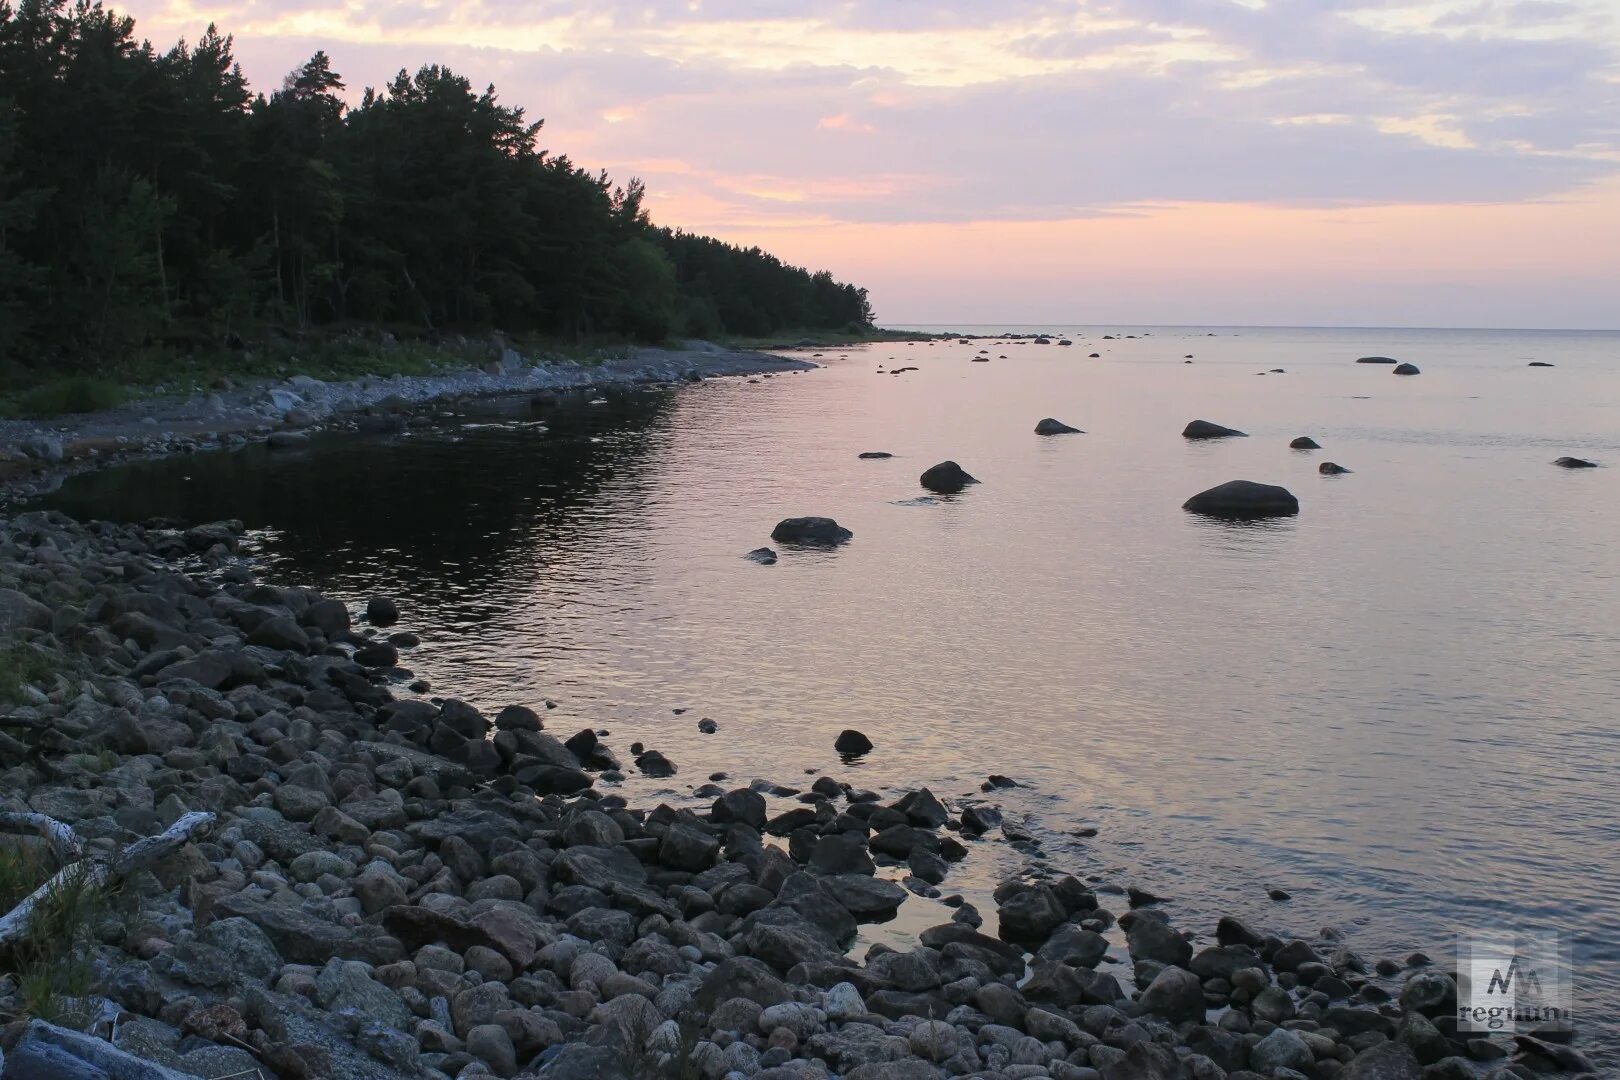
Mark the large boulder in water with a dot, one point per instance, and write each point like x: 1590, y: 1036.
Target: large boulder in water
x: 1203, y: 429
x: 1575, y: 463
x: 1377, y: 360
x: 809, y: 530
x: 1050, y: 426
x: 1304, y: 442
x: 1405, y: 369
x: 850, y: 741
x: 1244, y: 499
x: 1331, y: 468
x: 946, y: 478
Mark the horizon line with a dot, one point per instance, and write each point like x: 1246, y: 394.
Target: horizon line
x: 1261, y: 326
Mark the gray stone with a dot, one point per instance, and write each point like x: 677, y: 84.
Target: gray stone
x: 1281, y: 1049
x: 347, y: 984
x: 1243, y: 499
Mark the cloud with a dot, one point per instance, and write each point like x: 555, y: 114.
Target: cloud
x: 957, y: 110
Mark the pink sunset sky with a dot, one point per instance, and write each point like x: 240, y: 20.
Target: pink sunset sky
x: 1292, y: 162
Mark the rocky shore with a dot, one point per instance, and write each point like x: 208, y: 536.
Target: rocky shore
x: 360, y: 885
x: 37, y: 454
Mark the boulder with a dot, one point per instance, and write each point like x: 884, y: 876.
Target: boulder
x: 1281, y: 1049
x: 875, y: 455
x: 1377, y: 360
x: 43, y: 448
x: 810, y: 530
x: 764, y: 556
x: 287, y: 440
x: 1304, y: 442
x: 852, y: 742
x: 1575, y: 463
x: 1540, y: 363
x: 1175, y: 994
x: 1405, y: 369
x: 1204, y: 429
x: 19, y: 611
x: 1050, y: 426
x: 1385, y: 1061
x: 1243, y: 499
x: 1331, y: 468
x: 946, y: 478
x: 382, y: 611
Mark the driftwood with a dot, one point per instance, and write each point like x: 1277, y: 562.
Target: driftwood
x: 33, y: 723
x: 64, y: 841
x: 95, y: 873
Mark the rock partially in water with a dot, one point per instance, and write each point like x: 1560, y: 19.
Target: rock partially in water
x: 810, y: 530
x: 764, y: 556
x: 382, y: 611
x: 1304, y: 442
x: 655, y: 764
x: 850, y: 741
x: 1330, y: 468
x: 287, y: 440
x: 946, y: 478
x: 1575, y: 463
x: 1204, y: 429
x: 1540, y: 363
x: 1050, y: 426
x: 1244, y: 499
x: 1378, y: 360
x: 875, y: 455
x: 1406, y: 369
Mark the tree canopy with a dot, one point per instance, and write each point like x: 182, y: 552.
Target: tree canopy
x: 152, y: 198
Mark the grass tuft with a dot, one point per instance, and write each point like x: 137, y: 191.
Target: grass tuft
x: 51, y: 969
x: 74, y: 394
x: 22, y: 665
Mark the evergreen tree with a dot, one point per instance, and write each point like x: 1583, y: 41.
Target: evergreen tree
x: 151, y: 200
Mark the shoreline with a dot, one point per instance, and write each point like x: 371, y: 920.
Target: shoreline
x: 36, y: 455
x: 400, y: 888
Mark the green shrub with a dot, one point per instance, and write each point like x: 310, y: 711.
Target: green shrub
x: 75, y: 394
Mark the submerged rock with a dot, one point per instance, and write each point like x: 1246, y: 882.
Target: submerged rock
x: 1378, y: 360
x: 810, y: 530
x: 1540, y: 363
x: 1244, y: 499
x: 946, y: 478
x: 1204, y: 429
x: 875, y: 455
x: 764, y: 556
x: 1330, y: 468
x: 1575, y: 463
x: 1304, y: 442
x: 1406, y: 369
x: 1050, y: 426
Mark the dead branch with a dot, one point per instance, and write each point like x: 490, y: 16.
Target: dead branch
x: 64, y: 842
x: 92, y: 873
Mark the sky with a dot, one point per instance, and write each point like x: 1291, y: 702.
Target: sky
x: 1233, y: 162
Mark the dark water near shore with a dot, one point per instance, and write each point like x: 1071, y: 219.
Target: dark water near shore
x: 1399, y: 706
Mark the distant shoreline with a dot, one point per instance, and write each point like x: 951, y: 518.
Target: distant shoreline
x: 36, y: 454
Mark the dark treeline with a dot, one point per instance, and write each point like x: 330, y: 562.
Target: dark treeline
x: 151, y: 199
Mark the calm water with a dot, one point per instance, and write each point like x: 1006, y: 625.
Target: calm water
x: 1399, y: 706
